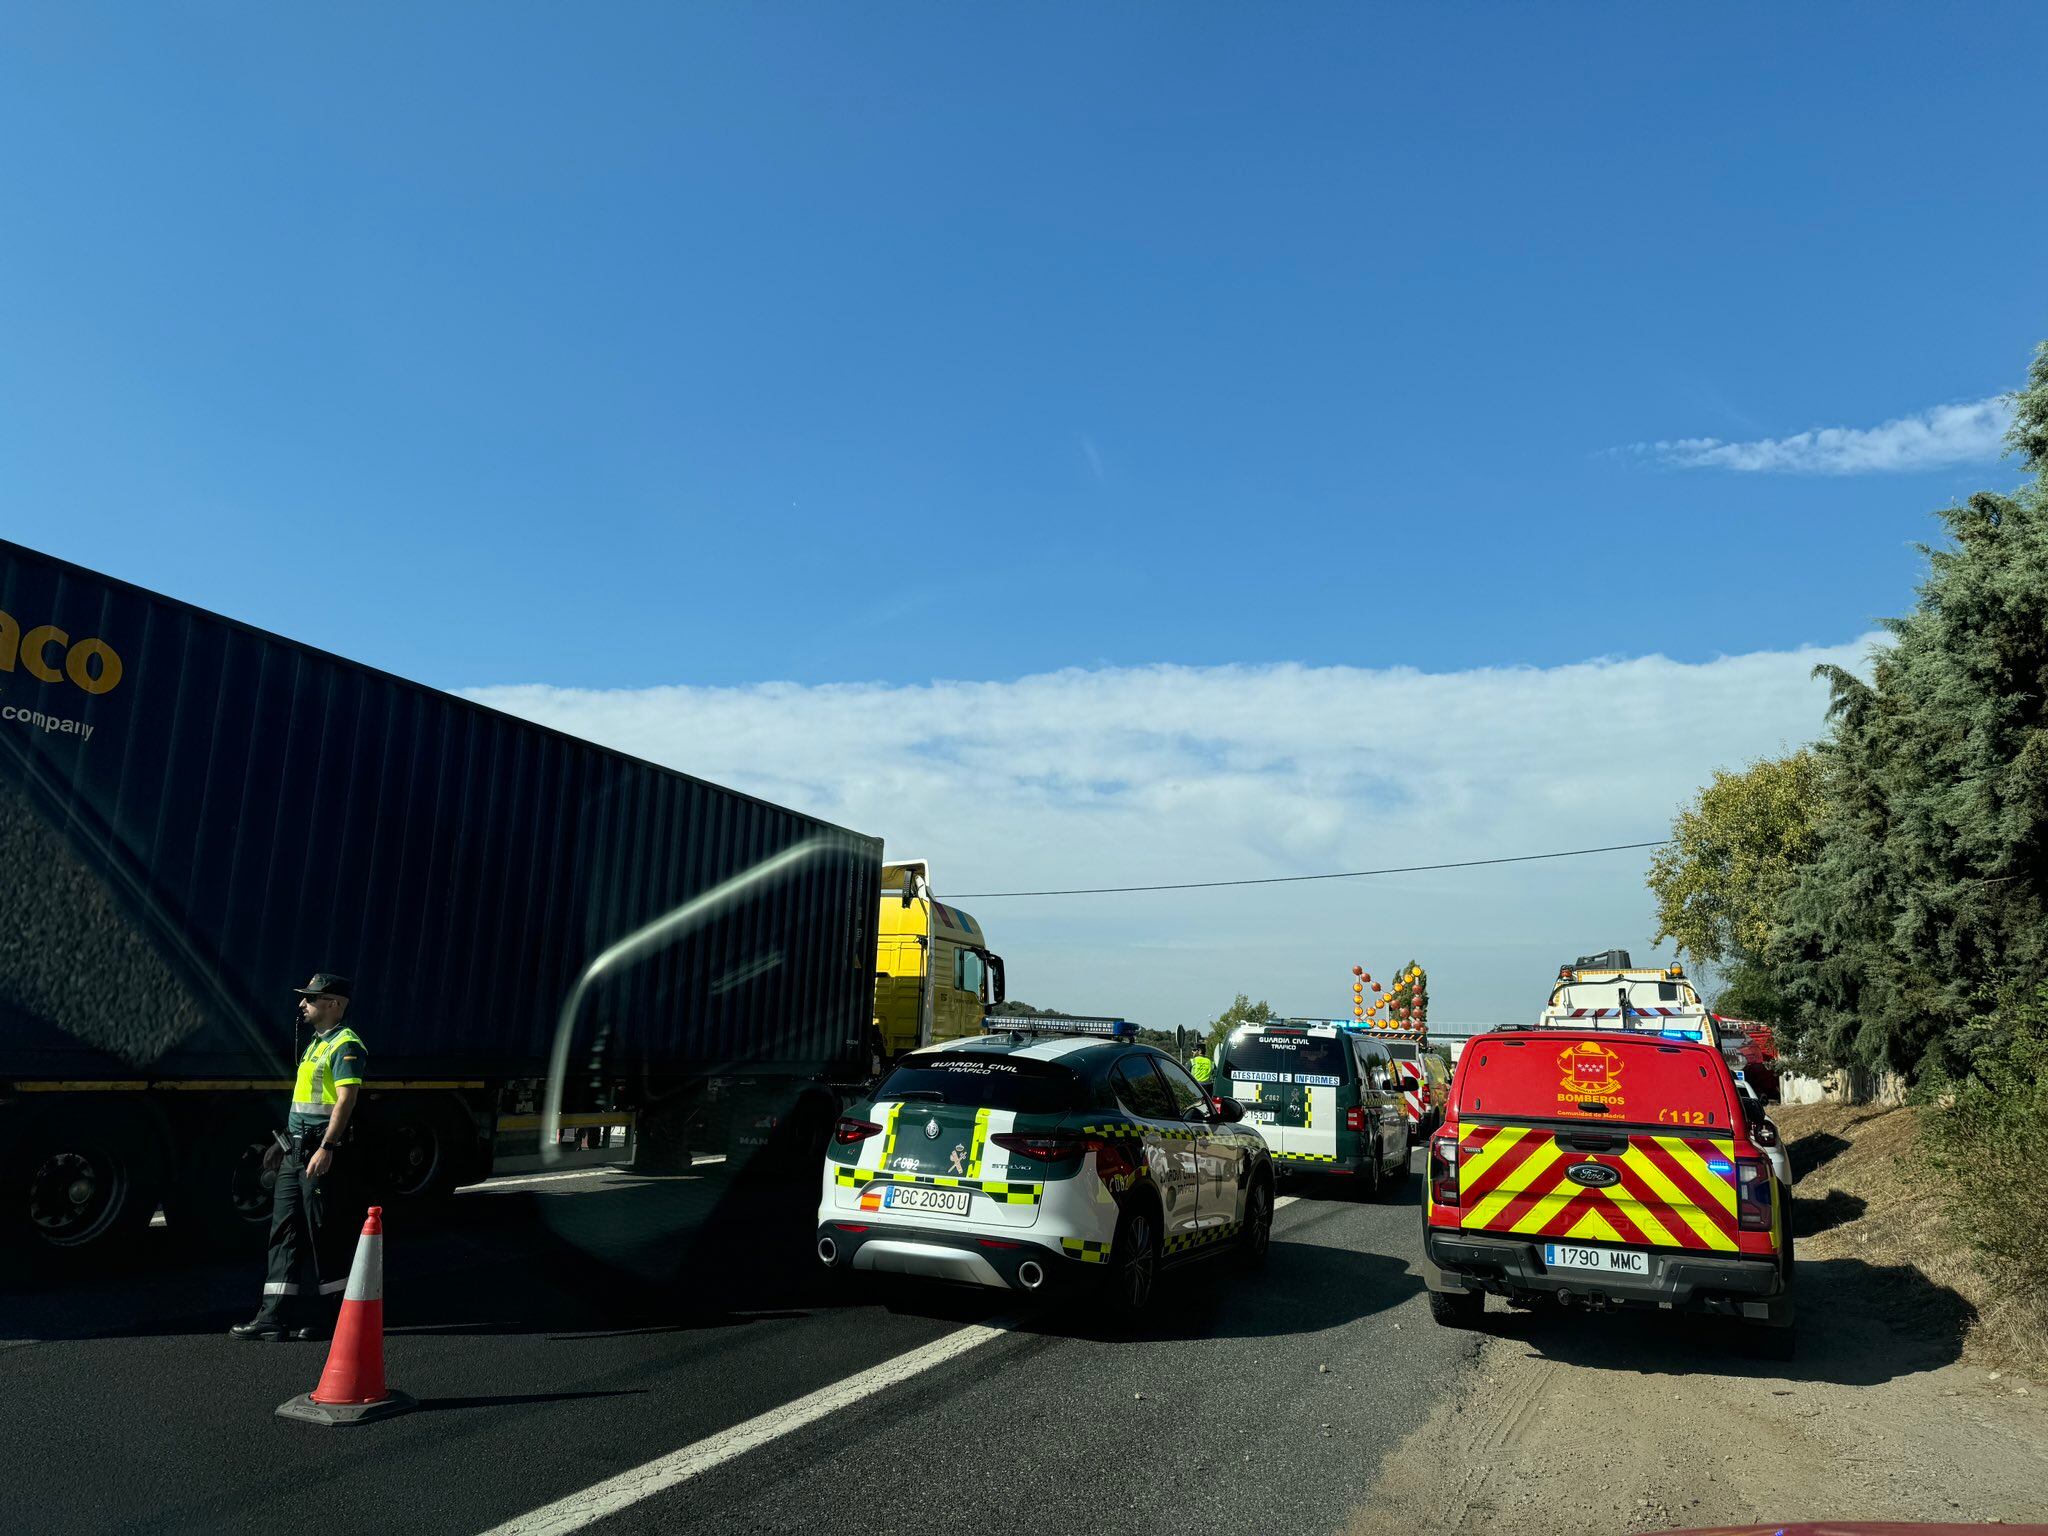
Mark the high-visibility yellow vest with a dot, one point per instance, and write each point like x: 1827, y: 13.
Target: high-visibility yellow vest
x: 1203, y: 1068
x: 317, y: 1083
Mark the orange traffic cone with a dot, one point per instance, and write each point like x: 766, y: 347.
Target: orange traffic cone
x: 352, y: 1389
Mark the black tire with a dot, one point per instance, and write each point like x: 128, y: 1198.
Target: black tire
x: 1458, y: 1309
x: 1134, y: 1262
x: 1767, y: 1341
x: 1255, y: 1242
x: 1376, y: 1170
x: 221, y: 1200
x: 81, y: 1185
x: 663, y: 1134
x: 413, y: 1148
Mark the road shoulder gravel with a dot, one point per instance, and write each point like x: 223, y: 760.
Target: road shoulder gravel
x: 1580, y: 1423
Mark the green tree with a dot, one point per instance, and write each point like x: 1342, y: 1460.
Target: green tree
x: 1024, y: 1009
x: 1926, y: 903
x: 1735, y: 850
x: 1408, y: 997
x: 1243, y: 1011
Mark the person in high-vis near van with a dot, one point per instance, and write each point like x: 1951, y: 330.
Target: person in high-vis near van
x: 316, y: 1207
x: 1203, y: 1068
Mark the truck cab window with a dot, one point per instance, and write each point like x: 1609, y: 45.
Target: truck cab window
x: 968, y: 971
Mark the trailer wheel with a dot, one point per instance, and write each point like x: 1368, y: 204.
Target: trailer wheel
x: 416, y: 1151
x: 82, y: 1184
x: 221, y: 1199
x: 662, y: 1134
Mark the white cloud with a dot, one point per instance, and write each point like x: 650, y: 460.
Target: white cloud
x: 1972, y: 433
x: 1152, y: 774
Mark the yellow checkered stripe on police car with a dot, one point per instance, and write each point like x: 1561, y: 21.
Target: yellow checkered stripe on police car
x: 1180, y: 1242
x: 1136, y: 1132
x: 1306, y: 1157
x: 1086, y: 1249
x: 995, y: 1189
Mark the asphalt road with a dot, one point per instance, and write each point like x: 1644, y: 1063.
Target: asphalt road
x: 552, y: 1346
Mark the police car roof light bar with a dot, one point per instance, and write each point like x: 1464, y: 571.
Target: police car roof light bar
x: 1034, y: 1024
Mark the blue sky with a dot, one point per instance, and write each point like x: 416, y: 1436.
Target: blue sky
x: 878, y: 342
x: 639, y: 346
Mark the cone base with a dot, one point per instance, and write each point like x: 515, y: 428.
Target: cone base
x: 305, y: 1409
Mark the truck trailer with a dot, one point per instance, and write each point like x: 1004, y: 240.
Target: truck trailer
x: 195, y: 815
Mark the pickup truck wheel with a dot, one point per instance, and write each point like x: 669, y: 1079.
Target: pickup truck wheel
x: 1458, y: 1309
x: 1769, y: 1342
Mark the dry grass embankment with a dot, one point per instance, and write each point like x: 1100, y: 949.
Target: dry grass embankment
x: 1868, y: 1189
x: 1909, y: 1398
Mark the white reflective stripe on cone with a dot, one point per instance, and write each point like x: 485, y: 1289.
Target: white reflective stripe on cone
x: 279, y: 1288
x: 366, y: 1277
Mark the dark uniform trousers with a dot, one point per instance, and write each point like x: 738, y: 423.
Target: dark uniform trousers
x: 314, y: 1224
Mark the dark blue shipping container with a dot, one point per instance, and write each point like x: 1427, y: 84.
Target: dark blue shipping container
x: 195, y: 815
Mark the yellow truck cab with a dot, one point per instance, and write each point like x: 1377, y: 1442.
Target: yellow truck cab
x: 1605, y: 991
x: 935, y: 978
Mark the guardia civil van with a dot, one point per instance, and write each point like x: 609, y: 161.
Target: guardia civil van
x: 1327, y: 1097
x: 1043, y: 1153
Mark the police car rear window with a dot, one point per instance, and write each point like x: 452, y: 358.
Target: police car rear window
x: 1602, y: 1077
x: 1401, y: 1050
x: 1314, y: 1059
x: 992, y: 1082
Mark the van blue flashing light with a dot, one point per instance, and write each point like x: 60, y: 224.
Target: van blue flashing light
x: 1720, y: 1165
x: 1032, y: 1024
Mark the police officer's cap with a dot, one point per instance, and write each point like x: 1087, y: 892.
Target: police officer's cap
x: 325, y: 985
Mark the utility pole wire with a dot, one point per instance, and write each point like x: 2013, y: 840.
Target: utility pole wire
x: 1346, y: 874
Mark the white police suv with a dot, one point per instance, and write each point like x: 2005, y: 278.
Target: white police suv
x: 1046, y: 1151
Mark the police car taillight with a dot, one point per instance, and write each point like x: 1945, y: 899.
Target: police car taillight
x: 1045, y: 1146
x: 850, y: 1130
x: 1753, y: 1194
x: 1112, y: 1156
x: 1443, y: 1168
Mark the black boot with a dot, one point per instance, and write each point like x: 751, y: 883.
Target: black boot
x: 266, y: 1330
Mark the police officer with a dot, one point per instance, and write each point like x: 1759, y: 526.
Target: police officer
x: 315, y: 1214
x: 1202, y: 1067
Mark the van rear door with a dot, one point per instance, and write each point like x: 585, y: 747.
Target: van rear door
x: 1288, y: 1080
x: 1600, y: 1137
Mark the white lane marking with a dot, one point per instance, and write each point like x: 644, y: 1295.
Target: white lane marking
x: 538, y: 1178
x: 679, y: 1466
x: 1284, y: 1201
x: 573, y: 1173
